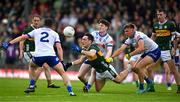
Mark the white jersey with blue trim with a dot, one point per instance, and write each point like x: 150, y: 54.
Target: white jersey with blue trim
x: 103, y: 41
x: 44, y: 38
x: 149, y: 44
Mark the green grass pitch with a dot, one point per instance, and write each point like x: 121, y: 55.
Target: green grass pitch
x: 11, y: 90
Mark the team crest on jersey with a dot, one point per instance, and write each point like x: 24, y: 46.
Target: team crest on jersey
x: 165, y: 27
x: 57, y: 59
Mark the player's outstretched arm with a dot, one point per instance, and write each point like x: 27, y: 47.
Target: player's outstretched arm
x: 5, y: 45
x: 78, y: 61
x: 59, y: 51
x: 18, y: 39
x: 119, y: 51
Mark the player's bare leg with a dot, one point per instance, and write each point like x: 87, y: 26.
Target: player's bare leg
x: 91, y: 80
x: 139, y: 69
x: 60, y: 70
x: 135, y: 76
x: 32, y: 72
x: 47, y: 72
x: 167, y: 73
x: 84, y: 69
x: 99, y: 84
x: 121, y: 76
x: 175, y: 73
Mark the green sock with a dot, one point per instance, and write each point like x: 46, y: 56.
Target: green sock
x: 137, y: 84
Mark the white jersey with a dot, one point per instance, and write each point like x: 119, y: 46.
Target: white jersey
x: 103, y: 41
x: 149, y: 44
x: 44, y: 38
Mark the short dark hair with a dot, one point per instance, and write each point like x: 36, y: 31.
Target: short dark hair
x: 105, y: 22
x: 48, y: 22
x: 130, y: 25
x: 36, y: 15
x: 90, y: 37
x: 161, y: 10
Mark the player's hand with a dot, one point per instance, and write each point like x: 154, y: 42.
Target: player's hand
x: 76, y: 48
x: 62, y: 62
x: 109, y: 60
x: 128, y: 56
x: 5, y: 45
x: 67, y: 65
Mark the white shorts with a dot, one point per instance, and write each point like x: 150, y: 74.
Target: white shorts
x: 135, y: 57
x: 27, y: 55
x: 108, y: 74
x: 177, y: 52
x: 165, y: 55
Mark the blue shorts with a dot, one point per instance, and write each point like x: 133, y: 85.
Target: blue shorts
x: 176, y: 59
x: 50, y: 60
x: 87, y: 61
x: 155, y: 54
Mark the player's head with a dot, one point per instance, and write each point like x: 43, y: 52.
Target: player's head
x: 129, y: 29
x: 161, y: 15
x: 36, y: 20
x: 87, y: 40
x: 103, y: 25
x: 48, y: 22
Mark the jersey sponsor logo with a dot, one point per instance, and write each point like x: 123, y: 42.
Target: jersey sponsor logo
x: 163, y: 33
x: 56, y: 59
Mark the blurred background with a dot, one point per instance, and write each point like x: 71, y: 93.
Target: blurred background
x: 15, y: 16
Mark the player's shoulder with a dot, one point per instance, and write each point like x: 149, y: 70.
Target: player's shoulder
x: 139, y: 34
x: 95, y: 32
x: 155, y: 24
x: 28, y: 29
x: 171, y: 22
x: 94, y: 46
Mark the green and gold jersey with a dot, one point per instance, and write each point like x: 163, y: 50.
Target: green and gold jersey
x: 163, y: 34
x: 98, y: 61
x: 29, y: 44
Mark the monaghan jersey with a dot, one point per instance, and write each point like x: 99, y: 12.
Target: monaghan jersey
x: 103, y: 41
x: 45, y: 38
x: 29, y: 43
x: 149, y: 44
x: 163, y: 32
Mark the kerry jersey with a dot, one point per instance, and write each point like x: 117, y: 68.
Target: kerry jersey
x: 29, y: 45
x: 98, y: 61
x: 163, y: 32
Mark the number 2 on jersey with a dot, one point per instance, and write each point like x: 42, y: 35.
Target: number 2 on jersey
x: 44, y: 37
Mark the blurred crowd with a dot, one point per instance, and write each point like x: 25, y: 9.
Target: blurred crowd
x: 15, y: 16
